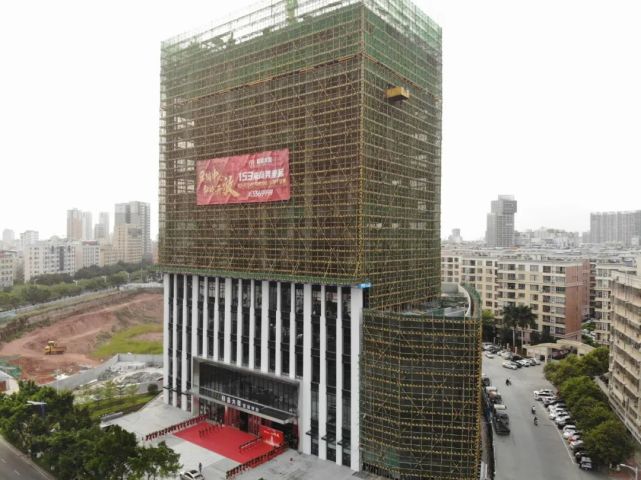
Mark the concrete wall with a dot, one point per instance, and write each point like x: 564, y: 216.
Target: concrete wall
x: 80, y: 378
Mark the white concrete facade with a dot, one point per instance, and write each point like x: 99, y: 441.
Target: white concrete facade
x: 275, y: 308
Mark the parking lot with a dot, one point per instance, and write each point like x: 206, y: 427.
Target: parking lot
x: 530, y: 452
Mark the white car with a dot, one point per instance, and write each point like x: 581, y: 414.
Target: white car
x: 191, y: 475
x: 489, y: 355
x: 510, y: 365
x: 544, y: 392
x: 568, y: 433
x: 523, y: 362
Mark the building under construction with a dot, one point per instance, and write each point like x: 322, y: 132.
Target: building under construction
x: 299, y: 188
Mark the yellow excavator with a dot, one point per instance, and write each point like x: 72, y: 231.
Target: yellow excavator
x: 54, y: 349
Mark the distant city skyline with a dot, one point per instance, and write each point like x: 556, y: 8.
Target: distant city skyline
x: 519, y: 114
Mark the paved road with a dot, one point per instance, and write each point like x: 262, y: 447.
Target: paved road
x: 14, y: 465
x: 529, y: 452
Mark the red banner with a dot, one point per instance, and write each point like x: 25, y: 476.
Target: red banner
x: 271, y: 436
x: 255, y: 177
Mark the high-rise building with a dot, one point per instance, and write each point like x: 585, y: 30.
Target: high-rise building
x: 128, y: 243
x: 299, y: 233
x: 624, y: 386
x: 28, y: 237
x: 616, y: 227
x: 87, y: 226
x: 500, y: 222
x: 75, y: 225
x: 8, y: 238
x: 102, y: 230
x: 138, y: 215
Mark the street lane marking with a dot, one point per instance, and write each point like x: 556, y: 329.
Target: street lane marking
x: 567, y: 447
x: 16, y: 472
x: 3, y: 460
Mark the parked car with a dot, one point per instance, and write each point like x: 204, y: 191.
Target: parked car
x: 575, y: 446
x: 489, y: 355
x: 533, y: 361
x: 570, y: 427
x: 547, y: 400
x: 585, y: 463
x: 523, y: 362
x: 562, y: 421
x: 578, y: 435
x: 506, y: 355
x: 580, y: 453
x: 543, y: 392
x: 510, y: 365
x: 191, y: 475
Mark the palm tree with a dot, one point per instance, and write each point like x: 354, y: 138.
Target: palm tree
x: 518, y: 316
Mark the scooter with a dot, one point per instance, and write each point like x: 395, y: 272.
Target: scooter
x: 536, y: 421
x: 533, y: 410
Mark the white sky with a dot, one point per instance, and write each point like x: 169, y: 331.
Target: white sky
x: 542, y: 99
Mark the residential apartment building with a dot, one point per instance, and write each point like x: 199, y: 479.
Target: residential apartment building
x: 138, y: 215
x: 602, y: 277
x: 7, y: 266
x: 102, y: 230
x: 28, y: 237
x: 87, y: 254
x: 51, y: 256
x: 8, y: 239
x: 108, y: 255
x: 500, y: 222
x: 75, y: 224
x: 616, y: 227
x: 556, y: 290
x: 128, y: 243
x: 624, y: 386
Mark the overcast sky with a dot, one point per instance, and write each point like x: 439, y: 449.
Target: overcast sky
x: 542, y: 100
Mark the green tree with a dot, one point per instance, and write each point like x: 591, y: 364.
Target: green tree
x: 489, y: 326
x: 565, y: 369
x: 112, y: 454
x: 156, y: 462
x: 576, y: 388
x: 131, y: 390
x: 609, y: 442
x: 116, y: 279
x: 9, y: 301
x: 109, y: 390
x: 596, y: 362
x: 595, y: 416
x: 518, y: 317
x: 35, y: 294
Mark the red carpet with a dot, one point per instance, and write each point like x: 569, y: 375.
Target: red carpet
x: 225, y: 441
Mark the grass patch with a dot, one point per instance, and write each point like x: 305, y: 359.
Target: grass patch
x: 100, y: 408
x: 125, y: 342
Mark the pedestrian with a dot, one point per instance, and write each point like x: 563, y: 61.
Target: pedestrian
x: 200, y: 467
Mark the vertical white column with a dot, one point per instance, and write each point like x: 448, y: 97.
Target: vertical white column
x: 216, y: 320
x: 322, y: 382
x: 356, y: 311
x: 183, y: 360
x: 252, y: 324
x: 165, y: 336
x: 205, y: 317
x: 279, y: 328
x: 292, y: 332
x: 239, y: 325
x: 264, y: 329
x: 195, y: 316
x: 174, y: 334
x: 306, y: 385
x: 227, y: 322
x: 339, y: 375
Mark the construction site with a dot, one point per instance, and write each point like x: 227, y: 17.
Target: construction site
x: 364, y: 166
x: 324, y: 270
x: 64, y: 342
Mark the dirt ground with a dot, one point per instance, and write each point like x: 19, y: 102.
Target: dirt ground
x: 80, y: 333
